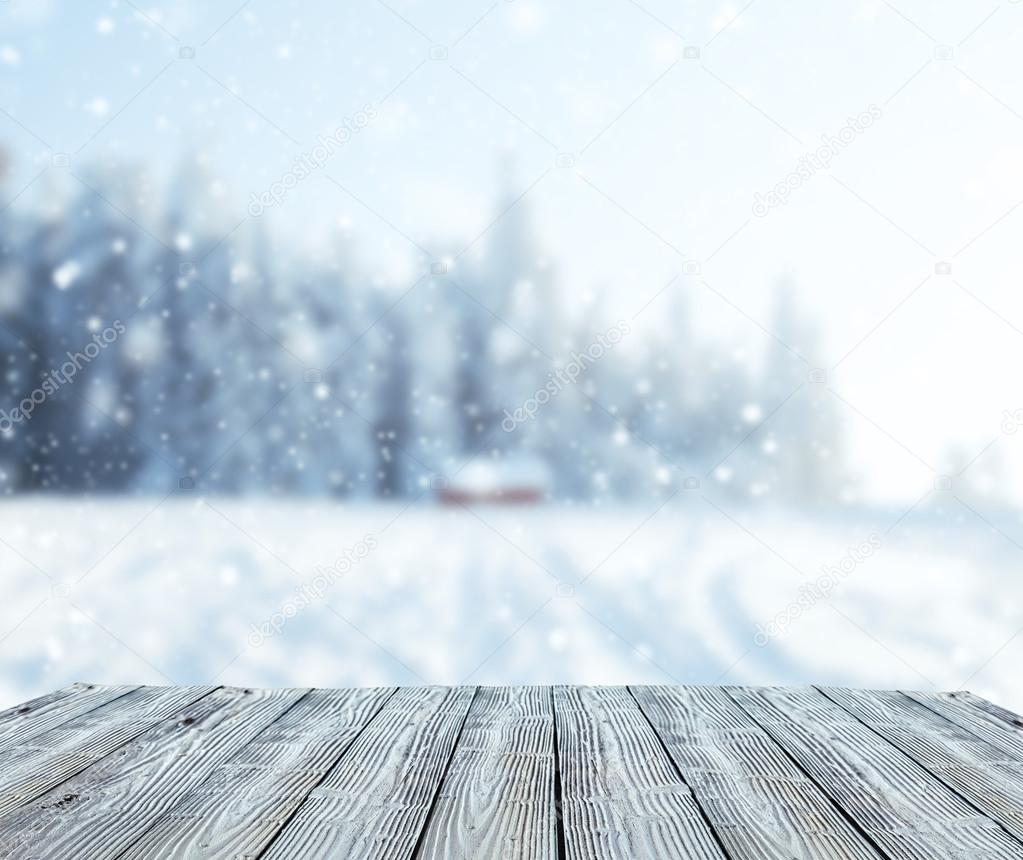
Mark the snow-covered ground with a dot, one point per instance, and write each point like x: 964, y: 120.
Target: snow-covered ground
x: 117, y: 591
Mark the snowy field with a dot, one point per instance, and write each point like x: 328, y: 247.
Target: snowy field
x: 186, y: 591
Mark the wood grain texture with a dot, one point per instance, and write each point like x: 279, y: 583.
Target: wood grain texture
x: 99, y: 813
x: 999, y: 727
x: 760, y: 804
x: 375, y: 802
x: 497, y: 800
x: 621, y: 796
x: 905, y: 810
x: 20, y: 711
x: 510, y: 773
x: 35, y: 766
x: 239, y: 809
x: 981, y: 773
x: 24, y: 722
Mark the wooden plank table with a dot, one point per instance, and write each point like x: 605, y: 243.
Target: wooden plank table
x: 96, y: 772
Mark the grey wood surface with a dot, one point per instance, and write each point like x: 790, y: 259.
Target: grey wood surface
x: 762, y: 806
x: 375, y: 802
x: 905, y: 810
x: 497, y: 799
x: 239, y: 809
x: 100, y: 812
x: 500, y: 773
x: 996, y: 725
x: 27, y: 721
x: 20, y: 713
x: 47, y: 760
x: 621, y: 797
x: 979, y: 772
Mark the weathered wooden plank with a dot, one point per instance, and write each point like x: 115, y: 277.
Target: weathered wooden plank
x: 99, y: 813
x: 239, y: 809
x: 497, y: 799
x: 760, y: 804
x: 35, y: 766
x: 17, y: 712
x: 905, y: 810
x: 24, y: 722
x: 621, y: 796
x: 987, y: 777
x: 999, y: 727
x: 658, y: 772
x: 375, y: 801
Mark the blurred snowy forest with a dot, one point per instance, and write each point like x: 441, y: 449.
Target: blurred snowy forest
x: 244, y: 367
